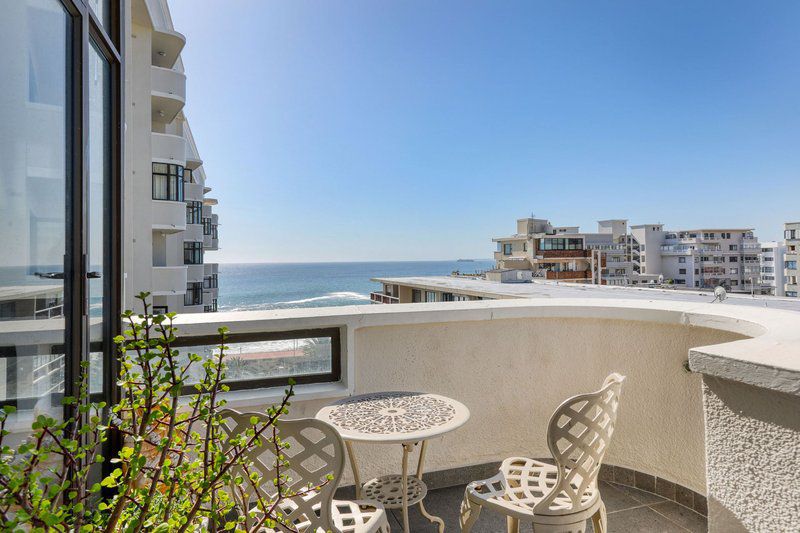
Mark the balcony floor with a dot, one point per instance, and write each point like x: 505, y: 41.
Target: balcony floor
x: 629, y: 510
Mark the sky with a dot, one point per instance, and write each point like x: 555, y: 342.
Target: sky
x: 418, y: 130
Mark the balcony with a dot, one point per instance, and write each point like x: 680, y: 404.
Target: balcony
x: 167, y: 93
x: 168, y: 148
x: 381, y: 298
x: 195, y: 272
x: 169, y: 280
x: 552, y: 254
x: 167, y: 46
x: 194, y: 232
x: 192, y: 191
x: 569, y: 274
x: 168, y: 216
x: 688, y: 444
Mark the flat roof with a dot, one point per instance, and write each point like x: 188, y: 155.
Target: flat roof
x: 554, y: 289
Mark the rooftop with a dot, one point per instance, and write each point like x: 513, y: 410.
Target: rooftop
x: 554, y: 289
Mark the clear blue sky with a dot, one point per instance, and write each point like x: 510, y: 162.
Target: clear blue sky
x: 393, y: 130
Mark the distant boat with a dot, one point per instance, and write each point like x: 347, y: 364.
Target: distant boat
x: 465, y: 260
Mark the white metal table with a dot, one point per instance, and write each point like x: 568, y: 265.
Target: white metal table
x: 405, y: 418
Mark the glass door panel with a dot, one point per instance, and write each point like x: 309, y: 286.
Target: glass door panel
x: 34, y: 178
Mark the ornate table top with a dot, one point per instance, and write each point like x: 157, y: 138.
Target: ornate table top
x: 394, y: 417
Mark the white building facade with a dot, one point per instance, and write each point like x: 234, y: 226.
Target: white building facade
x: 169, y: 220
x: 791, y: 235
x: 772, y: 264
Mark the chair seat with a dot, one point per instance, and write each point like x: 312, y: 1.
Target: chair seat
x: 521, y: 484
x: 349, y: 516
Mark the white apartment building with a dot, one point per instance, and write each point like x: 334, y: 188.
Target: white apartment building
x: 772, y: 265
x: 698, y: 258
x: 567, y: 254
x: 170, y: 222
x: 791, y: 235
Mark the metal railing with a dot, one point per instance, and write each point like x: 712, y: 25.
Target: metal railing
x: 381, y: 298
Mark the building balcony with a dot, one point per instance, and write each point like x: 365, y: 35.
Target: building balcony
x: 569, y: 274
x: 168, y: 148
x: 169, y: 280
x: 713, y: 441
x: 381, y: 298
x: 195, y: 272
x: 166, y: 47
x: 194, y: 232
x: 167, y: 93
x: 210, y: 268
x: 562, y: 254
x: 193, y: 192
x: 168, y: 216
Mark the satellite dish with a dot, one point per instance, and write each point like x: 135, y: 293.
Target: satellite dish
x: 660, y: 279
x: 719, y: 294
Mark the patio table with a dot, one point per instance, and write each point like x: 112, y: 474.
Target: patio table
x: 405, y: 418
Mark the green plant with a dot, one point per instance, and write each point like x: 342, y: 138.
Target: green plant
x: 176, y: 463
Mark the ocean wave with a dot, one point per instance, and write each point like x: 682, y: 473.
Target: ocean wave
x: 263, y: 306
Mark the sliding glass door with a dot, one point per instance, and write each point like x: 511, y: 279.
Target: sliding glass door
x: 60, y: 132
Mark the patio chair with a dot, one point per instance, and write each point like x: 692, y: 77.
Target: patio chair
x: 560, y: 497
x: 316, y: 451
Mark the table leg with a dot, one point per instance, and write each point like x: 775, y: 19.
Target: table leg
x: 354, y: 466
x: 404, y: 485
x: 420, y: 464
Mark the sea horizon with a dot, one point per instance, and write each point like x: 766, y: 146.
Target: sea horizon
x: 265, y: 286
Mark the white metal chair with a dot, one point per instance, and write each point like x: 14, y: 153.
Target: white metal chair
x: 316, y: 451
x: 560, y: 497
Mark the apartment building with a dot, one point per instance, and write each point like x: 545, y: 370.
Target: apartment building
x: 791, y: 236
x: 698, y: 258
x: 772, y: 265
x: 170, y: 223
x: 567, y: 254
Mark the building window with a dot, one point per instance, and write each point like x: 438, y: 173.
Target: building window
x: 791, y: 294
x: 167, y: 182
x: 561, y: 244
x: 160, y: 309
x: 791, y: 265
x: 681, y: 260
x: 206, y: 226
x: 507, y: 249
x: 430, y: 296
x: 681, y: 271
x: 211, y: 308
x: 211, y: 282
x: 733, y: 247
x: 416, y: 296
x: 733, y: 259
x: 192, y: 253
x: 194, y: 212
x: 447, y: 297
x: 790, y: 234
x: 214, y: 231
x: 194, y: 293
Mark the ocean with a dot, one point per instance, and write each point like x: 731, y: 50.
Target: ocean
x: 254, y: 286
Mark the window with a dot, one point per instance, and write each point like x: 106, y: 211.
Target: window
x: 507, y: 248
x: 214, y: 231
x: 211, y: 282
x: 561, y: 244
x: 160, y: 309
x: 791, y: 265
x: 734, y: 271
x: 211, y: 308
x: 430, y: 296
x: 681, y: 271
x: 791, y: 294
x: 733, y: 259
x: 267, y: 359
x: 194, y: 212
x: 192, y: 253
x: 524, y: 246
x: 167, y: 182
x: 206, y: 226
x: 733, y: 247
x: 768, y: 258
x: 194, y: 293
x: 447, y: 297
x: 790, y: 234
x: 681, y: 260
x: 416, y: 296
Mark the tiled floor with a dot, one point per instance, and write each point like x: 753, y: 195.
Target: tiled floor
x: 629, y: 510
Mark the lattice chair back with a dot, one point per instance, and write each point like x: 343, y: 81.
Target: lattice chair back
x: 578, y: 436
x: 315, y: 451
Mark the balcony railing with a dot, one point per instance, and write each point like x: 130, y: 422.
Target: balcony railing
x: 381, y: 298
x: 569, y: 274
x: 551, y: 254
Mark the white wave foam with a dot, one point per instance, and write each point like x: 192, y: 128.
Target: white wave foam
x: 344, y: 295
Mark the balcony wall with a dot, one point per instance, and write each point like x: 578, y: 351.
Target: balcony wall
x: 167, y: 93
x: 169, y: 280
x: 569, y: 274
x: 168, y: 216
x: 168, y: 148
x: 193, y: 191
x: 551, y: 254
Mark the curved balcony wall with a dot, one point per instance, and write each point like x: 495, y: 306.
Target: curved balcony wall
x: 194, y: 232
x: 168, y: 148
x: 210, y: 268
x: 169, y: 280
x: 167, y: 93
x: 193, y: 191
x: 167, y: 46
x: 168, y: 216
x: 195, y: 273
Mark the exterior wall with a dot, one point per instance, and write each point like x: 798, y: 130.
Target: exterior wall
x: 650, y: 238
x: 771, y: 263
x: 155, y: 230
x: 791, y: 286
x: 752, y: 439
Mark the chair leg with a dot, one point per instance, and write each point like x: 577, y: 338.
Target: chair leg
x: 512, y: 524
x: 600, y: 520
x: 469, y: 514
